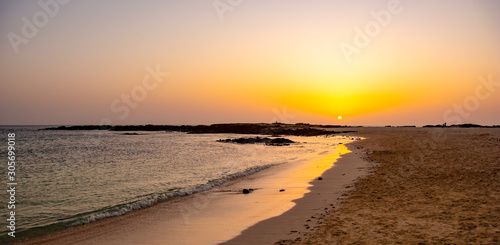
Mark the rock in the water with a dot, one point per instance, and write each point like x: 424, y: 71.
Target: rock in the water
x: 281, y: 141
x: 267, y: 141
x: 131, y: 134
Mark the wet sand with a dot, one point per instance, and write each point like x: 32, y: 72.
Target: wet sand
x: 222, y: 213
x: 324, y: 197
x: 431, y: 186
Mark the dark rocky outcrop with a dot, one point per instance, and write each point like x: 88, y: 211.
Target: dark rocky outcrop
x: 466, y: 125
x: 273, y: 129
x: 267, y: 141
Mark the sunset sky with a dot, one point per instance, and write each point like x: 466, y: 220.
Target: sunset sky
x: 375, y: 62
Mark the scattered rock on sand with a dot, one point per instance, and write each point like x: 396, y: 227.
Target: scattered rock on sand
x: 282, y: 190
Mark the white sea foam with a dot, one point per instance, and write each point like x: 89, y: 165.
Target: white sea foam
x: 163, y: 197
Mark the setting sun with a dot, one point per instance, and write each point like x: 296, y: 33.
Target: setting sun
x: 131, y: 104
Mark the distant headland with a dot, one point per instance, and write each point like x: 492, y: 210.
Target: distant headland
x: 274, y: 129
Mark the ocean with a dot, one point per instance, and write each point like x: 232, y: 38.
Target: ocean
x: 68, y: 178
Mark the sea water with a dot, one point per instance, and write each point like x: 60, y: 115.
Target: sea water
x: 68, y: 178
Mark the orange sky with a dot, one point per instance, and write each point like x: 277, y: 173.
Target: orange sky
x: 261, y: 62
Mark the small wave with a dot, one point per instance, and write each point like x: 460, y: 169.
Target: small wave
x: 166, y: 196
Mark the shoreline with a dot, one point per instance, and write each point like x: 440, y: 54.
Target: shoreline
x: 324, y: 196
x: 186, y: 214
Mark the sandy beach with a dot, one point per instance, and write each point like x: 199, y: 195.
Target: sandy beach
x: 431, y: 186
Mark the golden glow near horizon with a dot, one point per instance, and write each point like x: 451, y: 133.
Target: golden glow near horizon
x: 409, y: 62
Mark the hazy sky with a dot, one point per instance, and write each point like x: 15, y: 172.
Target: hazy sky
x: 373, y: 62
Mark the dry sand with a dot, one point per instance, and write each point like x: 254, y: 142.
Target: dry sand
x: 432, y: 186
